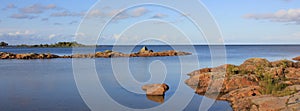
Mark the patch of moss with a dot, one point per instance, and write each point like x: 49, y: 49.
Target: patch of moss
x: 232, y: 70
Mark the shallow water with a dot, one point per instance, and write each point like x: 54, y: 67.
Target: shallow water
x: 50, y: 85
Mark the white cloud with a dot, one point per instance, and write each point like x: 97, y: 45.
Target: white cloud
x: 116, y: 36
x: 66, y: 13
x: 159, y: 15
x: 52, y: 36
x: 18, y: 33
x: 95, y: 13
x: 80, y: 34
x: 37, y: 8
x: 119, y: 14
x: 138, y: 12
x: 22, y: 16
x: 288, y: 16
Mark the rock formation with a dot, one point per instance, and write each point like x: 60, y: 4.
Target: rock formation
x: 155, y: 89
x: 144, y: 52
x: 4, y: 55
x: 256, y: 85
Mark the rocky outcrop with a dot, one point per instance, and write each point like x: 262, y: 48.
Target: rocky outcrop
x: 4, y: 55
x: 155, y: 89
x: 144, y: 52
x: 297, y: 58
x: 256, y: 85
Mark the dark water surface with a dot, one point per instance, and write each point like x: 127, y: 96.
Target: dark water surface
x: 49, y: 84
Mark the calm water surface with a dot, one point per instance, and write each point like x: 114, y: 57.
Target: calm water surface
x: 49, y: 84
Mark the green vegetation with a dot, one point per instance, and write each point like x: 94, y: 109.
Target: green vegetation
x: 3, y: 44
x: 259, y: 72
x: 285, y: 92
x: 232, y: 70
x: 274, y: 86
x: 59, y: 44
x: 270, y: 85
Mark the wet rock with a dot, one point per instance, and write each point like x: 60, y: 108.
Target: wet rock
x: 155, y: 89
x: 158, y: 99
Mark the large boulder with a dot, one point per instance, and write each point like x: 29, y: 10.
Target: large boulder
x: 144, y: 49
x: 155, y: 89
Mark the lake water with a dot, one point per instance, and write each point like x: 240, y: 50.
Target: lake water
x: 49, y: 84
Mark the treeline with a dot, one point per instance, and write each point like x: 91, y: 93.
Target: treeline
x: 3, y: 44
x: 59, y: 44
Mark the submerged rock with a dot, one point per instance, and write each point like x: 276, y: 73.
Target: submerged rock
x: 155, y: 89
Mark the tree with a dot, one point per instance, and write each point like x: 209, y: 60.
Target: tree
x: 3, y: 44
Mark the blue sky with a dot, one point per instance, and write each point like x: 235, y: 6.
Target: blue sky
x: 240, y: 21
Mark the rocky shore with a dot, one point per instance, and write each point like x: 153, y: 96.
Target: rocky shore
x: 255, y: 85
x: 144, y: 52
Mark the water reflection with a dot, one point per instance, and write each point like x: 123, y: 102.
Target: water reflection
x: 158, y: 99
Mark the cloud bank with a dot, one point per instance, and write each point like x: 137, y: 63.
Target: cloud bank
x: 287, y: 16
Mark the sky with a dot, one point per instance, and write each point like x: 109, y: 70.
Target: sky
x: 239, y: 21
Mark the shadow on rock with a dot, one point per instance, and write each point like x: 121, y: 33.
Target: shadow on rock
x: 158, y: 99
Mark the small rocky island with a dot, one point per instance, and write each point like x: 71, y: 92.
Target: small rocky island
x: 156, y: 92
x: 144, y: 52
x: 255, y: 85
x: 155, y: 89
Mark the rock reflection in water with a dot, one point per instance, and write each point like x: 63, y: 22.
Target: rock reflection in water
x: 158, y: 99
